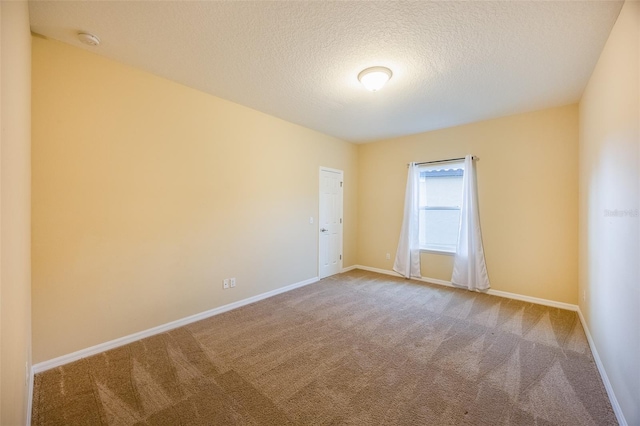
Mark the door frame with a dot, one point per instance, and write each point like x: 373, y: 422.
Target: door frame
x: 341, y: 229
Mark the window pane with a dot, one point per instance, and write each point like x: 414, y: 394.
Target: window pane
x: 442, y: 191
x: 439, y: 229
x: 440, y: 199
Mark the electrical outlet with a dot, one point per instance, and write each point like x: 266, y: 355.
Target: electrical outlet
x: 311, y: 220
x: 233, y: 282
x: 388, y: 256
x: 225, y: 283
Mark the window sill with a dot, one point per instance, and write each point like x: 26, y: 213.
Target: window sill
x: 437, y: 251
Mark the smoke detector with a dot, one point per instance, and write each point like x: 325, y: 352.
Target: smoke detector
x: 89, y: 39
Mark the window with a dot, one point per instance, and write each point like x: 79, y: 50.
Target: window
x: 440, y: 199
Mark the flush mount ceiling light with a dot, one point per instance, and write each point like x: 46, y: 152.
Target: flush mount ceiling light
x: 89, y: 39
x: 375, y: 77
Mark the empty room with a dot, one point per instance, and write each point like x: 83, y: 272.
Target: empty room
x: 319, y: 213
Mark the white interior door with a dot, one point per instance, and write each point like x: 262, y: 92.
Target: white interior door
x: 330, y: 222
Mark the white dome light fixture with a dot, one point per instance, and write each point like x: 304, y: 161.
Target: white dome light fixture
x: 374, y: 78
x: 89, y: 39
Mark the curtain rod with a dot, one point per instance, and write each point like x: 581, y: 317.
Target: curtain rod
x: 473, y: 157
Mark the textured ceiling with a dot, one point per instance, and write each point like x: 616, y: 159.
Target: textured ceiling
x: 453, y: 62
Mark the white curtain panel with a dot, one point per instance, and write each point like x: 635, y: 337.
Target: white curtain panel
x: 469, y: 267
x: 407, y: 261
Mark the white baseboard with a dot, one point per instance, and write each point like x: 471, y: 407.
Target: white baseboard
x: 93, y: 350
x: 530, y: 299
x: 395, y: 274
x: 536, y: 300
x: 378, y: 270
x: 348, y: 268
x: 603, y: 373
x: 436, y: 281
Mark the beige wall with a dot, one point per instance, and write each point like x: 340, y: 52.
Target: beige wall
x: 527, y: 179
x: 146, y: 194
x: 609, y: 181
x: 15, y: 207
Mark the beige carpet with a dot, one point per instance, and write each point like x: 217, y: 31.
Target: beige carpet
x: 354, y: 349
